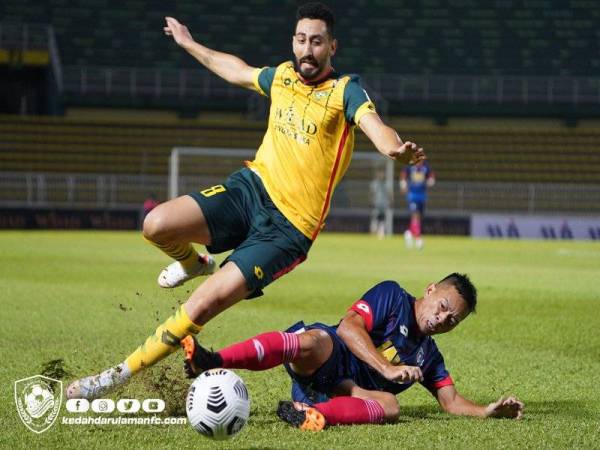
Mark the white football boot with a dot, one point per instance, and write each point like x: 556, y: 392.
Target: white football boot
x: 408, y: 239
x: 96, y: 386
x: 175, y: 275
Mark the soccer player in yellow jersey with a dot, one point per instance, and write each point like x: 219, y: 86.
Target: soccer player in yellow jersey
x: 270, y: 212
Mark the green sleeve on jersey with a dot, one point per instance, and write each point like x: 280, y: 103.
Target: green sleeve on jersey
x: 265, y: 79
x: 354, y: 97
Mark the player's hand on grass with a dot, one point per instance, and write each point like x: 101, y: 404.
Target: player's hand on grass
x: 508, y: 407
x: 179, y: 31
x: 404, y: 374
x: 408, y: 153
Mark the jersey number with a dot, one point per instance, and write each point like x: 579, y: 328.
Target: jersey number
x: 213, y: 190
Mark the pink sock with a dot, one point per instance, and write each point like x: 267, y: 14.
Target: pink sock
x: 351, y: 410
x: 262, y: 352
x: 415, y: 227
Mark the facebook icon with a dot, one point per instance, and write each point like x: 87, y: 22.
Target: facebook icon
x: 78, y: 405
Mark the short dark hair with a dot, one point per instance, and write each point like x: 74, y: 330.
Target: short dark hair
x: 316, y: 10
x: 464, y: 287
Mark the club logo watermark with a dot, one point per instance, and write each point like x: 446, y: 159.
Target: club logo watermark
x: 38, y: 399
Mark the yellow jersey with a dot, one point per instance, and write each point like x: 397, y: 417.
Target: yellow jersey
x: 309, y: 141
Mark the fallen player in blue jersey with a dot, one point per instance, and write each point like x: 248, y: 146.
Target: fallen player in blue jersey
x: 351, y: 373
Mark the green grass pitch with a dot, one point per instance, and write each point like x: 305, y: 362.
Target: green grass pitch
x: 89, y: 298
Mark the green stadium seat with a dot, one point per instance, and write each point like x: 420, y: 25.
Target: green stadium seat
x: 469, y: 37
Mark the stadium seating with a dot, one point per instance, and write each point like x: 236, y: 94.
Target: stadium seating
x: 459, y: 154
x: 83, y: 146
x: 508, y: 37
x: 96, y: 161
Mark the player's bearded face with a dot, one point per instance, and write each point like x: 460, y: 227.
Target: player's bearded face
x: 313, y: 48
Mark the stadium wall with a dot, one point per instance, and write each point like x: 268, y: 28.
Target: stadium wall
x: 500, y: 226
x: 493, y: 226
x: 131, y: 219
x: 70, y: 219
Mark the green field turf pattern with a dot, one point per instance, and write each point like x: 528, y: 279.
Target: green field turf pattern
x: 90, y: 298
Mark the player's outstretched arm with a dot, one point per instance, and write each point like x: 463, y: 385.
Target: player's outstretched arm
x: 510, y: 407
x: 229, y: 67
x: 353, y: 332
x: 386, y: 140
x: 454, y: 403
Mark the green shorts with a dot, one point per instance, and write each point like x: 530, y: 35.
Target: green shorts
x: 241, y: 216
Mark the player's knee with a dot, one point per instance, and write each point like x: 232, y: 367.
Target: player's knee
x: 391, y: 408
x: 313, y: 341
x: 315, y: 349
x: 155, y: 227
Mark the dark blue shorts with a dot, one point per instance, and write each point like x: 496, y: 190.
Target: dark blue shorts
x: 341, y: 365
x: 242, y: 217
x: 416, y: 206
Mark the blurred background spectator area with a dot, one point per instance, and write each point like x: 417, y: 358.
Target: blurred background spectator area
x: 504, y: 95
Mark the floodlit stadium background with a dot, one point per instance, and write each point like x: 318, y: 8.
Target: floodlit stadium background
x: 504, y: 96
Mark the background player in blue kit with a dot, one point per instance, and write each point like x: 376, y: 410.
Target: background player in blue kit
x: 351, y: 373
x: 414, y: 182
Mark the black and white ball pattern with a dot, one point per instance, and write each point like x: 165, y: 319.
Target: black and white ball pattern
x: 218, y: 404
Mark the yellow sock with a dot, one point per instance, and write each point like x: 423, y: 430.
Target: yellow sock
x: 163, y: 342
x: 184, y: 253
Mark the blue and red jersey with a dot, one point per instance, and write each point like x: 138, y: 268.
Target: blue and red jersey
x: 416, y: 177
x: 389, y: 317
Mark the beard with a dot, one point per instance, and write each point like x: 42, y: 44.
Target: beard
x: 308, y: 72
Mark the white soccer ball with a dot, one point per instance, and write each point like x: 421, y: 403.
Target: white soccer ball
x: 218, y: 404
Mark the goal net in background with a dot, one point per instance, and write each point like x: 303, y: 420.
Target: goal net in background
x: 196, y: 168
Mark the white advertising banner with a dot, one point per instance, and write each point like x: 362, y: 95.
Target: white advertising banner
x: 534, y: 227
